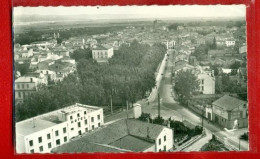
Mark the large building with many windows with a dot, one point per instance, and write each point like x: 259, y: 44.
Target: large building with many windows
x: 42, y: 133
x: 102, y: 53
x: 26, y: 85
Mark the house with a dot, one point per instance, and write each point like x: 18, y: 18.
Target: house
x: 27, y: 85
x: 102, y: 53
x: 206, y: 82
x: 44, y: 65
x: 230, y: 43
x: 125, y: 135
x: 62, y: 69
x: 226, y: 110
x: 42, y: 133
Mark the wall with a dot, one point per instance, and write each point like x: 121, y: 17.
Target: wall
x: 169, y: 140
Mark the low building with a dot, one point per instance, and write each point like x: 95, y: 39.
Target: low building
x: 226, y: 110
x: 230, y: 43
x: 126, y: 135
x: 24, y: 86
x: 42, y: 133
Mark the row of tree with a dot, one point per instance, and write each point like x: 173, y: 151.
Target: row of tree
x: 126, y: 79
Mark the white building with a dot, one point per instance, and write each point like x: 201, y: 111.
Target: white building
x: 230, y: 43
x: 42, y: 133
x: 24, y: 86
x: 207, y: 83
x: 126, y: 135
x: 102, y: 53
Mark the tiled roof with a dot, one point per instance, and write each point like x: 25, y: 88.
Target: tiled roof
x: 228, y: 103
x: 124, y: 135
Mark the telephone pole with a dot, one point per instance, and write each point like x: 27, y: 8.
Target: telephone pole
x: 159, y: 113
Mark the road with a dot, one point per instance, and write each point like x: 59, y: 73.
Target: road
x: 171, y: 108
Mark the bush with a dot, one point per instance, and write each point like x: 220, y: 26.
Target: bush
x: 244, y: 136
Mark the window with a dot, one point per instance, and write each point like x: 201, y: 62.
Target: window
x: 160, y: 150
x: 18, y: 86
x: 86, y: 129
x: 41, y: 148
x: 79, y: 132
x: 93, y: 127
x: 241, y: 114
x: 86, y: 122
x: 19, y: 94
x: 57, y: 133
x: 79, y: 124
x: 164, y: 148
x: 22, y: 85
x: 92, y: 119
x: 65, y: 139
x: 78, y: 114
x: 98, y: 124
x: 58, y: 142
x: 98, y: 117
x: 31, y: 143
x: 40, y: 139
x: 202, y: 88
x: 32, y: 150
x: 64, y: 130
x: 27, y: 85
x: 71, y: 117
x: 72, y: 129
x: 85, y: 112
x: 165, y: 138
x: 159, y: 141
x: 202, y: 81
x: 48, y: 136
x: 49, y: 145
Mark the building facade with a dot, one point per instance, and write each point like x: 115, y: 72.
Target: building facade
x: 24, y: 86
x: 207, y: 83
x: 102, y: 53
x: 42, y: 133
x: 226, y: 110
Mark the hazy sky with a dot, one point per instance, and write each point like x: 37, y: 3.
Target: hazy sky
x: 146, y: 11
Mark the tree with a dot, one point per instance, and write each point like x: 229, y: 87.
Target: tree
x: 22, y: 68
x: 186, y: 83
x: 214, y: 44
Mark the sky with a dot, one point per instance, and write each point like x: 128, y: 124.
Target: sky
x: 144, y: 11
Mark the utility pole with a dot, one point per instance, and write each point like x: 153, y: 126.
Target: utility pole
x: 127, y: 109
x: 111, y: 103
x: 239, y: 144
x: 159, y: 113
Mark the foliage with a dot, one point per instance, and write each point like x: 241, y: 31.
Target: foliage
x: 22, y: 68
x: 81, y: 54
x: 186, y: 83
x: 244, y: 136
x: 145, y: 117
x: 127, y: 77
x: 201, y: 52
x: 158, y: 120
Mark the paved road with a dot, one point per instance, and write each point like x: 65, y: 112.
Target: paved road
x: 171, y: 108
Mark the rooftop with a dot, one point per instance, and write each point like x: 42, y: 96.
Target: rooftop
x: 125, y: 134
x: 228, y: 103
x: 26, y: 79
x: 50, y: 119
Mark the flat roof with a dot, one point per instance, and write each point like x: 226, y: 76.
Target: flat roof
x: 33, y: 125
x: 50, y: 119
